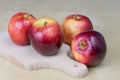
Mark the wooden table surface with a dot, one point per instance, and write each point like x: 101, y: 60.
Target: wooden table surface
x: 105, y: 16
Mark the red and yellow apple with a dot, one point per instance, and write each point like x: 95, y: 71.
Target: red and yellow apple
x: 18, y: 27
x: 46, y: 36
x: 73, y: 25
x: 89, y: 48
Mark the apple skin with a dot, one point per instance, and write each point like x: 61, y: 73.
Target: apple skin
x: 89, y: 48
x: 46, y: 36
x: 18, y: 28
x: 73, y: 25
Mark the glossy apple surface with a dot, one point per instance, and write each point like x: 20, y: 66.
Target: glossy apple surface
x: 46, y: 36
x: 73, y: 25
x: 89, y: 48
x: 18, y: 27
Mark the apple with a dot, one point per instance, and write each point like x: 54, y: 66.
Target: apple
x: 46, y: 36
x: 73, y: 25
x: 89, y: 48
x: 18, y: 27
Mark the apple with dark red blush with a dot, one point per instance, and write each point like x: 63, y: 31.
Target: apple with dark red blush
x: 73, y: 25
x: 18, y: 27
x: 46, y: 36
x: 89, y: 48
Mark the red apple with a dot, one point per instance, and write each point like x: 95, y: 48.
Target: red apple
x: 46, y: 36
x: 73, y: 25
x: 18, y: 27
x: 89, y: 48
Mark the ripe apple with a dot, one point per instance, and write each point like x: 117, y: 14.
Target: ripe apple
x: 89, y: 48
x: 46, y: 36
x: 73, y: 25
x: 18, y: 27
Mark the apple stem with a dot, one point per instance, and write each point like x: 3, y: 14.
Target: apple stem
x: 26, y: 15
x: 45, y: 23
x: 76, y: 17
x: 82, y: 45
